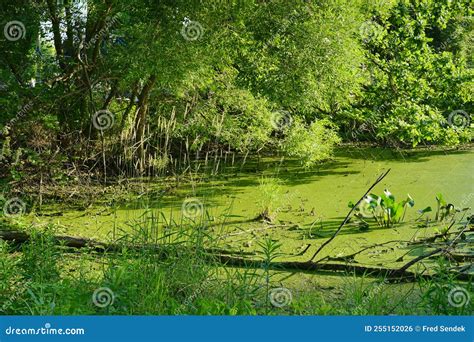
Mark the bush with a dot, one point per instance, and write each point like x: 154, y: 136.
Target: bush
x: 311, y: 144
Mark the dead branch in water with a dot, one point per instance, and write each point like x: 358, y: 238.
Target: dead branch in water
x: 444, y: 250
x: 225, y: 258
x: 379, y: 179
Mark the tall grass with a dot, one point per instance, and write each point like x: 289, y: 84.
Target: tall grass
x: 179, y: 277
x: 171, y: 274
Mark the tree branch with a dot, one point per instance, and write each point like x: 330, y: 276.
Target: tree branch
x: 379, y: 179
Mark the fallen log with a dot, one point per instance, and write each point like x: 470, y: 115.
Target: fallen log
x: 390, y: 274
x: 226, y: 258
x: 20, y: 237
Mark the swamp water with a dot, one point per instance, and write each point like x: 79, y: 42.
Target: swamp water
x: 309, y: 204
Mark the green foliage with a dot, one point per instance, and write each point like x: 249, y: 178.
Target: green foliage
x: 228, y: 117
x: 299, y: 55
x: 44, y: 280
x: 187, y: 282
x: 443, y: 209
x: 269, y: 250
x: 443, y: 295
x: 215, y: 90
x: 10, y: 280
x: 393, y: 72
x: 419, y: 73
x: 40, y: 258
x: 270, y: 198
x: 444, y: 216
x: 384, y: 209
x: 367, y: 297
x: 311, y: 144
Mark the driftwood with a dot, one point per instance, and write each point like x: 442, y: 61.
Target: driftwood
x: 19, y: 237
x: 224, y: 257
x: 436, y: 237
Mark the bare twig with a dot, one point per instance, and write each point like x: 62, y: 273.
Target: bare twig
x: 436, y: 251
x: 379, y: 179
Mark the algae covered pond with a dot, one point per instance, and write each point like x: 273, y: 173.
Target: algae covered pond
x: 236, y: 158
x: 309, y: 204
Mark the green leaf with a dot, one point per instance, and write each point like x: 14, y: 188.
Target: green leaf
x: 426, y: 210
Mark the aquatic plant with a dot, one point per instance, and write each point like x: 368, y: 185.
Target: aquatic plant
x: 384, y: 209
x: 444, y: 211
x: 270, y: 196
